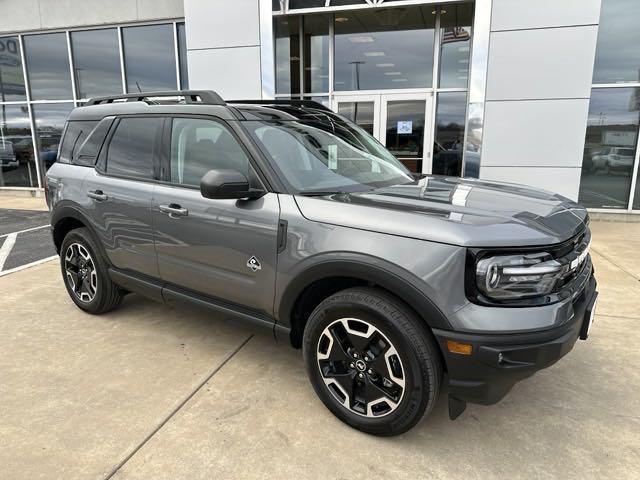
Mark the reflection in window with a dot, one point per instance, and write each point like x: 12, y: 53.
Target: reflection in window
x: 198, y: 146
x: 360, y: 113
x: 49, y: 118
x: 287, y: 33
x: 96, y: 62
x: 74, y: 136
x: 182, y: 57
x: 449, y: 134
x: 617, y: 52
x: 316, y: 53
x: 609, y: 152
x: 130, y: 152
x: 11, y: 78
x: 455, y: 38
x: 149, y: 58
x: 17, y: 166
x: 384, y: 48
x: 324, y: 101
x: 405, y: 132
x: 47, y: 60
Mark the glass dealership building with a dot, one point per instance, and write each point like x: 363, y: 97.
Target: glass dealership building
x: 540, y: 92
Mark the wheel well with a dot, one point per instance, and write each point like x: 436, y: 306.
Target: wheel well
x: 311, y: 297
x: 62, y: 228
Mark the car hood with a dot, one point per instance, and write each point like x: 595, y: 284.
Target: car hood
x: 456, y: 211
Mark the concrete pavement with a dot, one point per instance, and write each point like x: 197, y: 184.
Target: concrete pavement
x: 151, y: 392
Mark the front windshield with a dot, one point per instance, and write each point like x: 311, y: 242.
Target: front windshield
x: 327, y: 154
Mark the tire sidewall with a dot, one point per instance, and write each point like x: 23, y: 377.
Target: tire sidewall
x: 414, y: 400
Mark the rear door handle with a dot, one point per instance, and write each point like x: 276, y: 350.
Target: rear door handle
x: 97, y: 195
x: 174, y: 210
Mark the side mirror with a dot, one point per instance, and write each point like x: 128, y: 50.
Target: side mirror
x: 226, y: 184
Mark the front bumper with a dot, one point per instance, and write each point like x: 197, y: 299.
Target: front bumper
x: 497, y: 362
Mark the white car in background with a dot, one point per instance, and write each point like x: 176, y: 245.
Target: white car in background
x: 614, y: 159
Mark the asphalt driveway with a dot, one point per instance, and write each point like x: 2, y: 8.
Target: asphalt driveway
x: 152, y: 392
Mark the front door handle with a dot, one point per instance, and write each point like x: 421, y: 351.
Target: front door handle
x: 174, y: 210
x: 97, y: 195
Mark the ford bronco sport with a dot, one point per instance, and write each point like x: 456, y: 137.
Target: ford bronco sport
x: 288, y: 216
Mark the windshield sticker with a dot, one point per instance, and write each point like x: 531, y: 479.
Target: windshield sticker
x: 332, y: 164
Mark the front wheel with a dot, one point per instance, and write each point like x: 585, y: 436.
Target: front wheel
x: 371, y: 361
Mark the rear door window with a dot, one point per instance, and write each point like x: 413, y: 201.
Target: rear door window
x: 132, y: 147
x: 75, y: 135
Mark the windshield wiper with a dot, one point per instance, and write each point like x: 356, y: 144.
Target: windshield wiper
x: 320, y: 193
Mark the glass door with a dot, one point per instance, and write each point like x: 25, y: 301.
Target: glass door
x: 364, y: 110
x: 400, y: 121
x: 406, y: 129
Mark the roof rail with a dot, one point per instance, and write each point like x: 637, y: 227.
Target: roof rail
x: 205, y: 97
x: 283, y: 101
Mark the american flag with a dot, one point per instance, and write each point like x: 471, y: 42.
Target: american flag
x: 455, y: 34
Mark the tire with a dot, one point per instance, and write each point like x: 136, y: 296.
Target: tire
x: 398, y: 347
x: 96, y: 293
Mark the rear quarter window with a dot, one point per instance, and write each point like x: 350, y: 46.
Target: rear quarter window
x: 86, y: 153
x: 75, y: 135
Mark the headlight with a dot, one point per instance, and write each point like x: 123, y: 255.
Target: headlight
x: 510, y: 277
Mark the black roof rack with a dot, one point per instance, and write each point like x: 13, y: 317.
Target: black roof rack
x: 205, y: 97
x: 283, y: 101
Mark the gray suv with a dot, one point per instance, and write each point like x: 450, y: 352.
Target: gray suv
x: 289, y: 217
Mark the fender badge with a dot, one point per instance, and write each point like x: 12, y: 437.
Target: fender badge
x: 254, y: 264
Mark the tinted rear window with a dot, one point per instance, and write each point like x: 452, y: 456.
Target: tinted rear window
x: 75, y: 135
x: 131, y: 149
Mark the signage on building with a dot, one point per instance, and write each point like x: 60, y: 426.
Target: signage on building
x: 405, y: 127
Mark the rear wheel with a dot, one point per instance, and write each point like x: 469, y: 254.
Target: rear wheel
x: 85, y: 273
x: 371, y: 362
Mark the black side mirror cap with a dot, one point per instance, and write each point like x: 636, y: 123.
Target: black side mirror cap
x: 227, y: 184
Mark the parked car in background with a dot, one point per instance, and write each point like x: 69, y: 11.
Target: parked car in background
x: 8, y: 158
x: 613, y: 159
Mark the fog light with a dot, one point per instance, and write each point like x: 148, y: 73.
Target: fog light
x: 459, y: 348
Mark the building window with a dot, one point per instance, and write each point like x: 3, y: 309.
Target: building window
x: 617, y: 54
x: 384, y: 48
x: 96, y: 62
x: 12, y: 86
x: 610, y: 147
x: 17, y: 159
x: 455, y: 45
x: 382, y: 73
x: 182, y: 56
x: 316, y: 53
x: 149, y: 58
x: 610, y: 155
x: 91, y: 60
x: 47, y: 60
x: 449, y: 134
x: 287, y: 46
x: 49, y: 119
